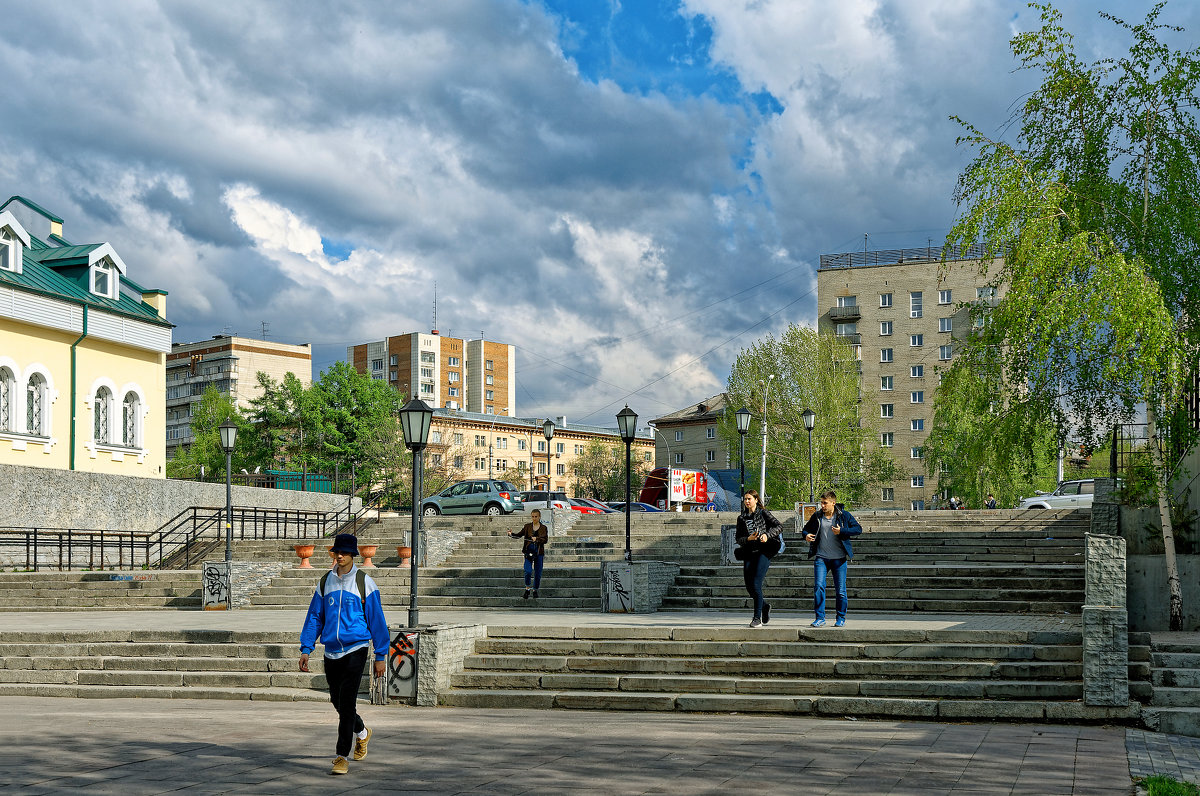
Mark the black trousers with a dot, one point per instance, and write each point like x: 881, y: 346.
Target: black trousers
x: 344, y: 675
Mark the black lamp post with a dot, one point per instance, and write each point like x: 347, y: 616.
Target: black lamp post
x: 548, y: 431
x: 415, y: 418
x: 742, y: 416
x: 810, y: 421
x: 228, y: 431
x: 627, y: 424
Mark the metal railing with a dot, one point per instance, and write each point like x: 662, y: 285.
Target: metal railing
x: 898, y: 256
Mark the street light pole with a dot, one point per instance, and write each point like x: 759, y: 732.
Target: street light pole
x: 627, y: 424
x: 762, y: 480
x: 742, y: 416
x: 548, y: 432
x: 228, y: 431
x: 669, y: 464
x: 810, y: 421
x: 415, y: 419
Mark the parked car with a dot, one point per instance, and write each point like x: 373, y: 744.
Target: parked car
x: 484, y: 496
x: 603, y: 508
x: 541, y: 499
x: 1069, y: 495
x: 634, y: 507
x: 583, y: 507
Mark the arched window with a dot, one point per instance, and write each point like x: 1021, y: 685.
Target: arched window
x: 131, y: 415
x: 101, y: 418
x: 8, y: 391
x: 35, y: 404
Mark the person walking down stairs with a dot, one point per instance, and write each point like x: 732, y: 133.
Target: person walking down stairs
x: 760, y: 538
x: 346, y: 615
x: 534, y: 536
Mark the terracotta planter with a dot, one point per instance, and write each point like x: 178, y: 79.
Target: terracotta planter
x: 367, y: 551
x: 304, y: 551
x: 405, y: 554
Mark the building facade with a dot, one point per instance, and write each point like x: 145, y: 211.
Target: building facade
x: 231, y: 365
x: 905, y: 315
x: 448, y: 372
x: 82, y: 352
x: 473, y: 445
x: 689, y: 439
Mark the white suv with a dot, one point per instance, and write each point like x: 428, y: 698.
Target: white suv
x: 541, y: 499
x: 1069, y: 495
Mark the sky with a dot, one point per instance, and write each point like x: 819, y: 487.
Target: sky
x: 628, y: 192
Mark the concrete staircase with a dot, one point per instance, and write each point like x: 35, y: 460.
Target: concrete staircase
x: 185, y: 664
x: 1033, y: 675
x: 99, y: 590
x: 1174, y: 705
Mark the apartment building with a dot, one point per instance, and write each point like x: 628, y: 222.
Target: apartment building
x: 450, y: 372
x: 688, y: 438
x: 904, y: 319
x: 471, y: 445
x: 231, y: 365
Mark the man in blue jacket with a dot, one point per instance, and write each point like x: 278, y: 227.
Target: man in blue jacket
x: 346, y: 615
x: 828, y: 533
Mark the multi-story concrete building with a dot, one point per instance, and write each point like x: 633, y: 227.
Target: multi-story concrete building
x: 231, y: 365
x: 472, y: 444
x: 905, y: 315
x: 449, y: 372
x: 688, y: 438
x: 82, y: 350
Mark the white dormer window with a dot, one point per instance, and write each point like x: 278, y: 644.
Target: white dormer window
x: 10, y: 251
x: 105, y: 279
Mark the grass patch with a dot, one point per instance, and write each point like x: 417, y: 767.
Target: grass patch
x: 1158, y: 785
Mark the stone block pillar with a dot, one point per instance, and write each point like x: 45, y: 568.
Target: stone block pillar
x: 1105, y: 623
x: 231, y: 584
x: 636, y: 588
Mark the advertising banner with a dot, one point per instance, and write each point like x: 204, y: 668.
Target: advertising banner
x: 688, y: 486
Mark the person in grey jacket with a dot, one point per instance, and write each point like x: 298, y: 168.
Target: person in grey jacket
x: 828, y: 533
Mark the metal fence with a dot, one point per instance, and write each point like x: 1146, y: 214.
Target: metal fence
x: 897, y: 256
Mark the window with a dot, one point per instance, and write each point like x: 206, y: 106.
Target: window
x: 392, y: 376
x: 647, y: 456
x: 489, y: 395
x: 560, y: 469
x: 945, y: 324
x: 435, y: 460
x: 10, y: 251
x: 426, y: 389
x: 679, y: 436
x: 521, y: 467
x: 916, y: 340
x: 428, y: 358
x: 35, y: 405
x: 844, y: 329
x: 977, y: 322
x: 985, y: 292
x: 710, y: 432
x: 559, y: 447
x: 426, y: 373
x: 488, y: 380
x: 889, y: 494
x: 916, y: 371
x: 458, y: 439
x: 502, y: 443
x: 917, y: 397
x: 458, y: 460
x: 488, y: 365
x: 918, y: 481
x: 918, y: 505
x: 885, y: 299
x: 8, y: 390
x: 452, y: 392
x: 885, y: 328
x: 578, y: 450
x: 101, y: 407
x: 520, y: 444
x: 917, y: 424
x: 541, y: 446
x: 887, y: 410
x: 710, y: 456
x: 451, y: 376
x: 944, y: 353
x: 916, y: 452
x: 480, y: 462
x: 435, y: 437
x: 887, y: 439
x: 376, y: 364
x: 885, y: 355
x: 945, y: 296
x: 679, y: 458
x: 480, y: 440
x: 885, y: 382
x: 393, y: 361
x: 452, y: 362
x: 104, y: 278
x: 847, y: 301
x: 914, y: 305
x: 541, y: 468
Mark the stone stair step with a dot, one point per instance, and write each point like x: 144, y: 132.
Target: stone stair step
x: 1176, y: 697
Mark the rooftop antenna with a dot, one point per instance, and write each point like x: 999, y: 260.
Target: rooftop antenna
x: 865, y: 242
x: 434, y: 326
x: 266, y: 329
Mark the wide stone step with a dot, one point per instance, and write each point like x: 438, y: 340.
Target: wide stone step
x: 75, y: 691
x: 916, y: 591
x: 1176, y: 721
x: 1173, y: 697
x: 901, y: 605
x: 1181, y: 678
x: 1174, y: 660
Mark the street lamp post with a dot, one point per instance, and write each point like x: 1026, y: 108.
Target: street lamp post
x: 810, y: 421
x: 627, y: 424
x: 415, y: 419
x: 548, y: 431
x: 491, y: 429
x: 742, y: 416
x: 762, y: 480
x: 669, y: 464
x: 228, y: 431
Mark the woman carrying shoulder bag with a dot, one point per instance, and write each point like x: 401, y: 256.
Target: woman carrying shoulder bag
x: 760, y: 536
x: 534, y: 536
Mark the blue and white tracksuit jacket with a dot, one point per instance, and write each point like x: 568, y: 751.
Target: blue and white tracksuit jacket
x: 339, y: 620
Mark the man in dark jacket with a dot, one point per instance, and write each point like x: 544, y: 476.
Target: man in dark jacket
x: 828, y: 534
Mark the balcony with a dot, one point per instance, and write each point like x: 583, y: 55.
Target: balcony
x: 853, y: 338
x: 844, y: 314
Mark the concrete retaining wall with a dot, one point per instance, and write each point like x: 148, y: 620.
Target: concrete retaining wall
x: 440, y: 656
x: 1149, y: 601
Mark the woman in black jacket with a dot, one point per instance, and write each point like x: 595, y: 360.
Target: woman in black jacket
x: 760, y: 535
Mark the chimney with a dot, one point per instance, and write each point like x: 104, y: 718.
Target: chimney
x: 560, y: 421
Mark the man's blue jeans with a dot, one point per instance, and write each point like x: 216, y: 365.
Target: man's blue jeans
x: 533, y: 568
x: 838, y: 567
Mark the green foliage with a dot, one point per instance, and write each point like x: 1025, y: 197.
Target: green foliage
x: 812, y: 371
x: 204, y: 455
x: 599, y: 472
x: 1161, y: 785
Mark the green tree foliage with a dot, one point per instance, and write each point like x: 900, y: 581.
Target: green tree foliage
x: 204, y: 457
x: 1092, y: 216
x: 812, y: 371
x: 599, y: 472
